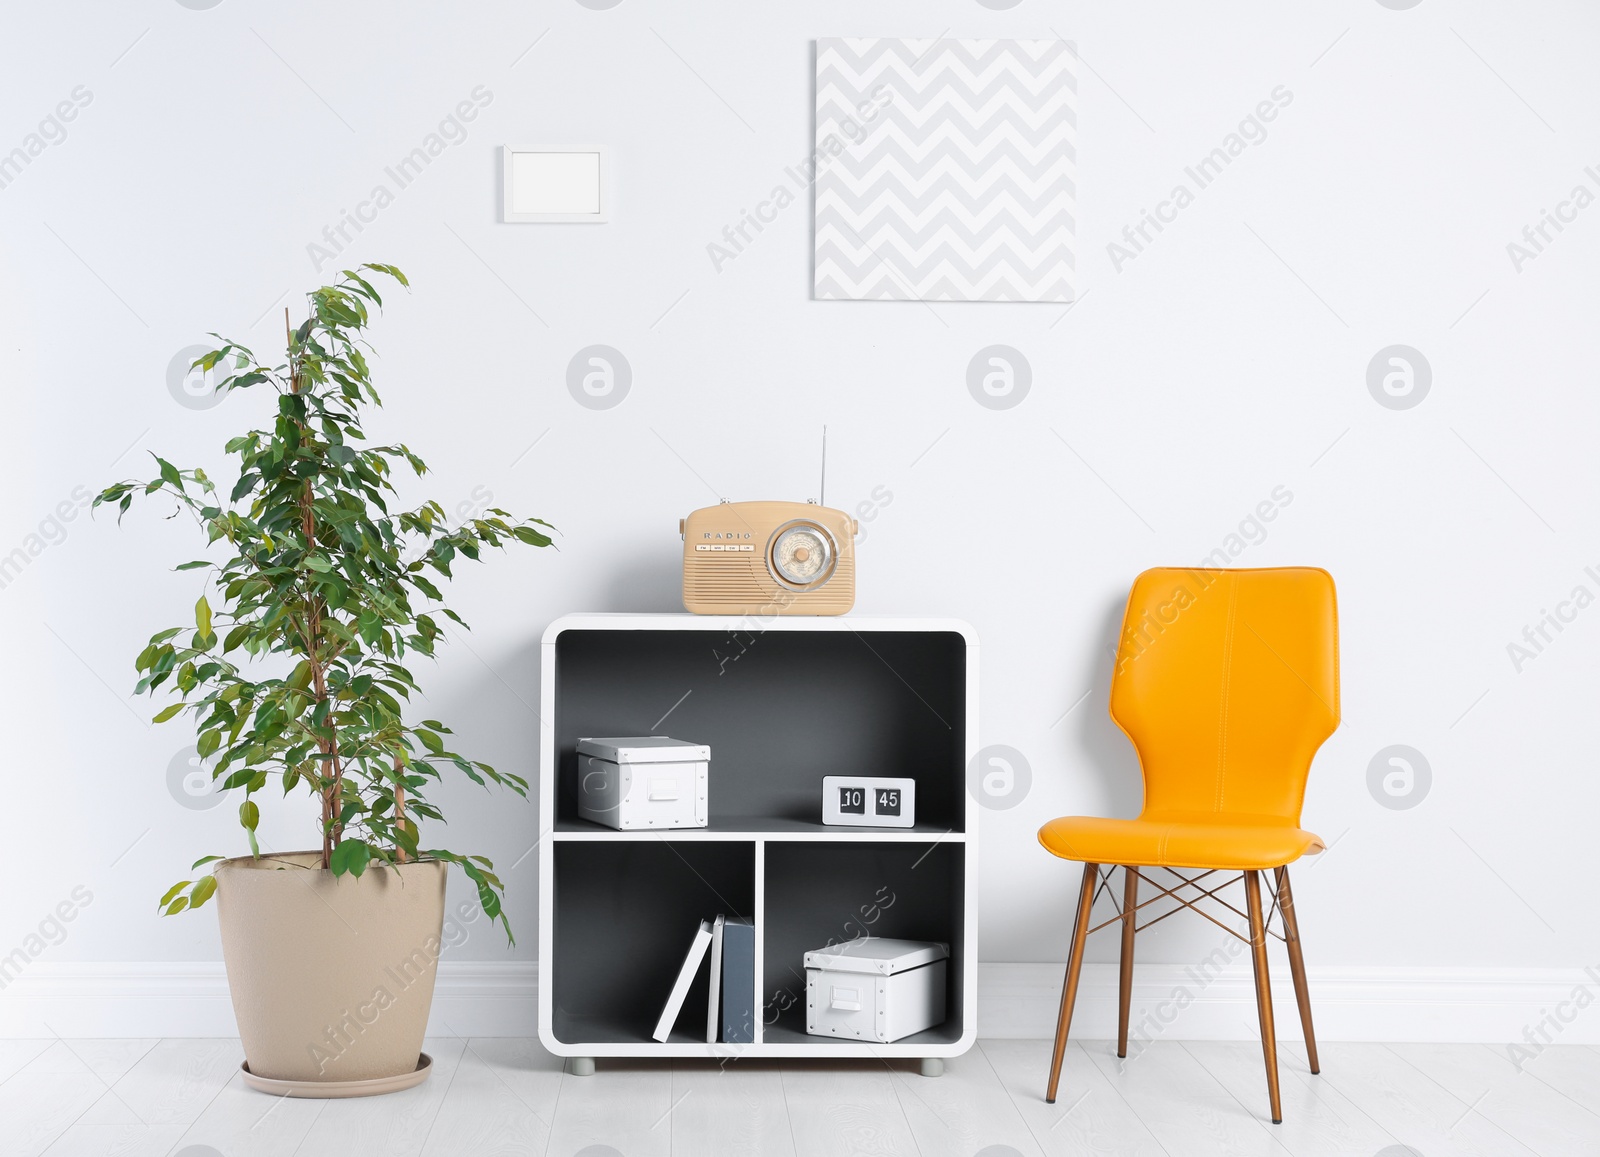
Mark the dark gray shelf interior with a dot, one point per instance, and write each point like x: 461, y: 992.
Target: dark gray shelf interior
x: 625, y: 914
x: 817, y: 892
x: 779, y: 710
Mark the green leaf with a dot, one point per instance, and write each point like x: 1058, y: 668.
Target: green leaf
x: 249, y: 814
x: 489, y: 899
x: 208, y: 742
x: 350, y: 856
x: 166, y: 897
x: 202, y: 891
x: 168, y: 712
x: 390, y: 270
x: 202, y: 616
x: 205, y: 860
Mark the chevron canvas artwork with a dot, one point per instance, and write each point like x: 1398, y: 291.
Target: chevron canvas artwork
x: 945, y: 170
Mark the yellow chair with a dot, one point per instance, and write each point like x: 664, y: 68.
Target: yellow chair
x: 1227, y: 683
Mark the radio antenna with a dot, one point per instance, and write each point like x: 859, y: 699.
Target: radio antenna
x: 822, y: 488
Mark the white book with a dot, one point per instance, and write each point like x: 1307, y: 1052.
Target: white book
x: 713, y: 1020
x: 691, y: 965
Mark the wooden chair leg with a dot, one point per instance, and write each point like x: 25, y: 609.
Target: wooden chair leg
x: 1130, y: 901
x: 1297, y: 964
x: 1069, y: 986
x: 1258, y: 958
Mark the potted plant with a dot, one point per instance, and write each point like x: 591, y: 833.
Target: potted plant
x: 320, y: 592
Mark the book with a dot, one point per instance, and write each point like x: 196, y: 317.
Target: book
x: 738, y: 982
x: 713, y: 1006
x: 680, y: 989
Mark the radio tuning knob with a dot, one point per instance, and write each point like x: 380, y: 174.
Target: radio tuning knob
x: 801, y: 554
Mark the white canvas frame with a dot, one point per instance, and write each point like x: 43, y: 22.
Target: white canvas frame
x: 507, y: 172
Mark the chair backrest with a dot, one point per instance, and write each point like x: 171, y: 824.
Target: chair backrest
x: 1227, y: 682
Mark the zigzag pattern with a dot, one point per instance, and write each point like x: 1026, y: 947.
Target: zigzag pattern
x: 958, y: 174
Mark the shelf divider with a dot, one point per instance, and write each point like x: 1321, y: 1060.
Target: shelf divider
x: 760, y: 938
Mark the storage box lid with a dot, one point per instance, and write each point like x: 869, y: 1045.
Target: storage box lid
x: 644, y: 749
x: 874, y: 954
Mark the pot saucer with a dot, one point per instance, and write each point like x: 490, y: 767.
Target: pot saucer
x: 370, y: 1087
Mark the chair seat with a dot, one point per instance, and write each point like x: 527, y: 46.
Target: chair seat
x: 1180, y: 840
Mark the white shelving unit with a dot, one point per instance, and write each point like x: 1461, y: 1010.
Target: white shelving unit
x: 781, y: 702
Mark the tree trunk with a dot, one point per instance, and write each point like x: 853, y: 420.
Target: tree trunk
x: 332, y: 830
x: 399, y: 810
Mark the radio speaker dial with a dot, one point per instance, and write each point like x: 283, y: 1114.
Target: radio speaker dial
x: 801, y: 555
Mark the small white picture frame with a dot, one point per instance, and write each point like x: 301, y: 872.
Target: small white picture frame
x: 567, y: 185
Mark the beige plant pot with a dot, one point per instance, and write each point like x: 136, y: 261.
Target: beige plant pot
x: 331, y: 979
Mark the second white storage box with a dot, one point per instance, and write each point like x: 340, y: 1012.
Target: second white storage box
x: 643, y: 781
x: 875, y: 989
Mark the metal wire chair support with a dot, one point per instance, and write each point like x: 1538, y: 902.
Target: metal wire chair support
x: 1192, y: 903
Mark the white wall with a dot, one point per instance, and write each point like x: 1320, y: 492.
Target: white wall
x: 1227, y: 359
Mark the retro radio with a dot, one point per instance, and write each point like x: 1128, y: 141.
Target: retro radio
x: 770, y: 558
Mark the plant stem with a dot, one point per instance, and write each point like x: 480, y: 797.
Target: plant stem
x: 399, y: 810
x: 332, y: 830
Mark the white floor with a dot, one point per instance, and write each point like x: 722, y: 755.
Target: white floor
x: 497, y: 1096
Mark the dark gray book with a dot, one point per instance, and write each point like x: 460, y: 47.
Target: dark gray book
x: 738, y: 982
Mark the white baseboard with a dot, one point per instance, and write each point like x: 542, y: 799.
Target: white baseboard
x: 1176, y: 1002
x: 1014, y: 1000
x: 471, y: 998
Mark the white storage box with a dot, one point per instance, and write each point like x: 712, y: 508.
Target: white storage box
x: 875, y: 989
x: 644, y: 781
